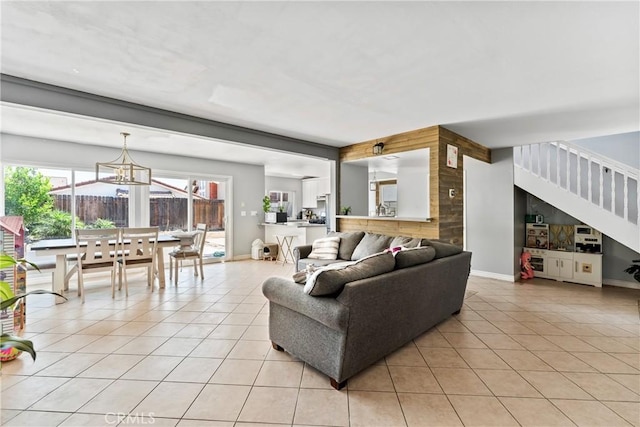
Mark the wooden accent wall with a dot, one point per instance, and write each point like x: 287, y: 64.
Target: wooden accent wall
x: 446, y: 212
x: 390, y: 227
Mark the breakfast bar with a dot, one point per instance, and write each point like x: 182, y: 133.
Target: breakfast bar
x: 295, y: 233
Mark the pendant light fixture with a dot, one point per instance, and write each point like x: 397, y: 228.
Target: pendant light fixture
x: 373, y: 185
x: 378, y: 148
x: 123, y: 170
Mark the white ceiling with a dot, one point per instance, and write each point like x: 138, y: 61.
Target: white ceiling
x: 337, y: 73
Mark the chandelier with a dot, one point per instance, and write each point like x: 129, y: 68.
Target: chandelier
x: 123, y: 170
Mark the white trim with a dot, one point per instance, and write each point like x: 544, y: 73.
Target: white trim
x: 242, y: 257
x: 621, y: 283
x: 490, y: 275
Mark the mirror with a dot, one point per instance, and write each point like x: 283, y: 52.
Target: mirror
x: 394, y: 185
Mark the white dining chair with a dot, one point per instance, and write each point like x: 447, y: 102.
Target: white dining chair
x: 195, y: 253
x: 137, y: 249
x: 97, y: 251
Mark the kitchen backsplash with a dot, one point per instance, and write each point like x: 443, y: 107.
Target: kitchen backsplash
x: 561, y: 237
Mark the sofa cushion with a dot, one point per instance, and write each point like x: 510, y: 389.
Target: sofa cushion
x: 443, y: 249
x: 404, y: 241
x: 332, y: 278
x: 325, y: 248
x: 370, y: 244
x: 348, y: 242
x: 408, y: 257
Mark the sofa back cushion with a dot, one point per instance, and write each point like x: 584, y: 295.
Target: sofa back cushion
x: 325, y: 248
x: 443, y: 249
x: 348, y: 242
x: 408, y: 257
x: 404, y: 241
x: 332, y: 278
x: 370, y: 244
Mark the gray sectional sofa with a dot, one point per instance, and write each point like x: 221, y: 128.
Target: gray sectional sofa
x: 347, y: 316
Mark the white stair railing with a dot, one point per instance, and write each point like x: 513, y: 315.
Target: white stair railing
x: 599, y: 191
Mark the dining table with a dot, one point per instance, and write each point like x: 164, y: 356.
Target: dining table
x: 63, y: 248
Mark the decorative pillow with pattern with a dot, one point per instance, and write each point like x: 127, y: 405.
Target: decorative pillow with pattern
x: 325, y: 248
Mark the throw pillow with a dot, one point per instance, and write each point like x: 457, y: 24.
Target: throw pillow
x: 325, y: 248
x: 407, y: 242
x: 370, y: 244
x: 300, y: 277
x: 409, y: 257
x: 332, y: 278
x: 348, y: 242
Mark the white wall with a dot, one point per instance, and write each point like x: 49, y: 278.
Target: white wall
x: 354, y: 189
x: 623, y: 148
x: 490, y: 212
x: 413, y: 192
x: 247, y: 180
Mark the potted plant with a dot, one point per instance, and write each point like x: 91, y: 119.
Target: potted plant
x: 266, y: 208
x: 281, y: 215
x: 634, y: 269
x: 346, y: 210
x: 11, y: 346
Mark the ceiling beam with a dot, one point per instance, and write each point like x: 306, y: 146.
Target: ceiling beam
x: 31, y: 93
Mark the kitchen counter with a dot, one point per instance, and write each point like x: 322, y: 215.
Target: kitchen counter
x: 294, y: 224
x: 384, y: 218
x: 302, y: 232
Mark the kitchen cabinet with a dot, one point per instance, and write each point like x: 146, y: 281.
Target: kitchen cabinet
x: 309, y: 193
x: 564, y: 266
x: 587, y: 269
x: 324, y: 186
x: 559, y: 265
x: 312, y: 188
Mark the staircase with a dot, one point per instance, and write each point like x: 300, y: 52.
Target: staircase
x: 596, y: 190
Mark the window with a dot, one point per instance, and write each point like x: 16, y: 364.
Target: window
x: 281, y: 201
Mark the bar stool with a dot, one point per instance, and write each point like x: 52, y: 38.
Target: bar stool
x: 285, y: 242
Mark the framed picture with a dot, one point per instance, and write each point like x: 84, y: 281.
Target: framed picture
x: 452, y: 156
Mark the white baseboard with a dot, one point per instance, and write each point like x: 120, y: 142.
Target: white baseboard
x: 621, y: 283
x: 241, y: 257
x: 490, y: 275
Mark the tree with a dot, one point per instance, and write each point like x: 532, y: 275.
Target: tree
x: 27, y: 194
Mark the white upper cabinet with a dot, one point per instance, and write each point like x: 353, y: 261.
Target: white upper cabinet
x: 312, y: 188
x: 309, y: 193
x: 324, y: 186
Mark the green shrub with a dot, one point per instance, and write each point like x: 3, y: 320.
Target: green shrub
x: 54, y: 224
x: 102, y: 223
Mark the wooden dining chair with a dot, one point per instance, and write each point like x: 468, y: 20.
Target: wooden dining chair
x: 195, y: 252
x: 137, y: 249
x: 97, y: 251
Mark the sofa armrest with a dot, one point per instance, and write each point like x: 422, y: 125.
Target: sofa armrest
x: 301, y: 252
x: 325, y: 310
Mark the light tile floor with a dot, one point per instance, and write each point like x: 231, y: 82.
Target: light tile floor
x: 539, y: 353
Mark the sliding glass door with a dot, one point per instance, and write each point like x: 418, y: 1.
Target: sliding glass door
x: 179, y: 204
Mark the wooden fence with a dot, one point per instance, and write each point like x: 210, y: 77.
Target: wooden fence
x: 166, y: 213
